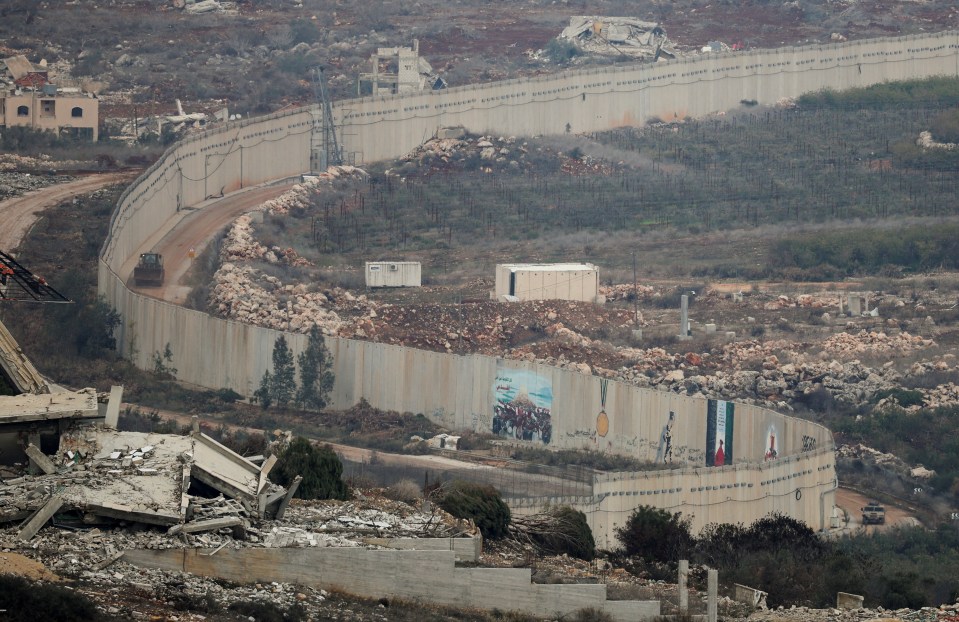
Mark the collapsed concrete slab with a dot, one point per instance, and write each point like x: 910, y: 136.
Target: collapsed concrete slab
x: 618, y: 36
x: 145, y: 478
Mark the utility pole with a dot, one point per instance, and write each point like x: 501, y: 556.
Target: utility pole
x: 635, y: 296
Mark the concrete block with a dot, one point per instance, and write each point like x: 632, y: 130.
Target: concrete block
x: 683, y: 585
x: 38, y: 458
x: 712, y: 595
x: 39, y: 519
x: 710, y: 328
x: 750, y: 596
x: 845, y: 600
x: 113, y: 407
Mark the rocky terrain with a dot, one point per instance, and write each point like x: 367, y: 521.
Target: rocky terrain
x: 763, y: 347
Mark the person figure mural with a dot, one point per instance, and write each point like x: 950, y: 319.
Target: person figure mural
x: 720, y: 459
x: 771, y: 453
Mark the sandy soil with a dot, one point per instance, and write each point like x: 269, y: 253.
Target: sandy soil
x: 16, y: 564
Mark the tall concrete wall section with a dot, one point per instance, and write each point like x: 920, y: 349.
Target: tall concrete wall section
x: 515, y: 400
x: 236, y: 156
x: 604, y: 98
x: 801, y: 486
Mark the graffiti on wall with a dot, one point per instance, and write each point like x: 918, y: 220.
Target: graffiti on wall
x: 772, y: 444
x: 522, y: 404
x: 602, y: 419
x: 664, y: 454
x: 719, y: 432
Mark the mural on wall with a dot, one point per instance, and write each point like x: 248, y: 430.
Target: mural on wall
x: 602, y: 419
x: 522, y: 401
x: 719, y: 432
x: 772, y: 443
x: 664, y: 454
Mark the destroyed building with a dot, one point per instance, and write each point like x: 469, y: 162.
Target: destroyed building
x: 399, y: 70
x: 618, y: 36
x: 63, y: 455
x: 30, y: 97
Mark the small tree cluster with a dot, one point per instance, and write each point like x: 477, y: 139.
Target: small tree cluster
x: 316, y: 375
x: 561, y: 530
x: 656, y: 535
x: 319, y: 466
x: 480, y: 503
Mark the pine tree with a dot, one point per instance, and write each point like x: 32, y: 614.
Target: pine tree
x: 263, y: 393
x: 283, y: 383
x: 316, y: 373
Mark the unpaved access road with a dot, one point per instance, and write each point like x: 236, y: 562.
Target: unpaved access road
x: 538, y: 483
x: 852, y: 503
x: 194, y: 231
x: 18, y: 214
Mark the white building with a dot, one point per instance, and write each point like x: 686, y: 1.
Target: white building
x: 393, y: 274
x: 562, y: 281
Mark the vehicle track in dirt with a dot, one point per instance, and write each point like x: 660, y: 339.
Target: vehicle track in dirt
x: 195, y: 231
x: 18, y: 214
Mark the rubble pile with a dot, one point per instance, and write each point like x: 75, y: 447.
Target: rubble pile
x: 495, y: 154
x: 16, y: 184
x: 616, y: 36
x: 14, y: 162
x: 943, y: 613
x: 625, y: 291
x: 299, y: 195
x: 845, y: 344
x: 246, y: 294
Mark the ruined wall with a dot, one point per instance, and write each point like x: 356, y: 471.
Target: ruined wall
x: 533, y: 402
x: 414, y: 575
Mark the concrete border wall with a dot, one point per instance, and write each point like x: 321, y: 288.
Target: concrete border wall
x: 463, y: 392
x: 412, y: 575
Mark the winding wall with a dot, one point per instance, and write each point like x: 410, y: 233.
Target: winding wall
x: 572, y: 410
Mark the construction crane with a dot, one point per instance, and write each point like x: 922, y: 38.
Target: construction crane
x: 19, y: 284
x: 325, y: 152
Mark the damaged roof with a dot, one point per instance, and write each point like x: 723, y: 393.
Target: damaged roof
x: 139, y: 477
x: 617, y: 35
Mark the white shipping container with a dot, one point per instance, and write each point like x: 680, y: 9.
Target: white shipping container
x: 566, y: 281
x: 393, y: 274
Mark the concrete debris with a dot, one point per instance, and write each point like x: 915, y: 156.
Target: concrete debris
x: 144, y: 478
x: 450, y: 151
x: 618, y: 36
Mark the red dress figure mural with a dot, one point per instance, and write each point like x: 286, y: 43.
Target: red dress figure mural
x: 771, y: 453
x: 720, y: 459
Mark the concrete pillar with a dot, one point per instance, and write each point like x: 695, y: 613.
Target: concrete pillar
x: 684, y: 318
x: 712, y: 595
x: 683, y: 587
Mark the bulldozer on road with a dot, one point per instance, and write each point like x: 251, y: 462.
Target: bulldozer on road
x: 149, y: 271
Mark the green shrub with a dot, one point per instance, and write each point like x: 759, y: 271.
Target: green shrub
x: 656, y: 535
x: 319, y: 466
x: 479, y: 502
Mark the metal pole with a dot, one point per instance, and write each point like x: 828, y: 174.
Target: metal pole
x: 635, y: 297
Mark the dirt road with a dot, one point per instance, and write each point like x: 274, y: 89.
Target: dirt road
x: 195, y: 231
x: 852, y: 502
x: 18, y: 214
